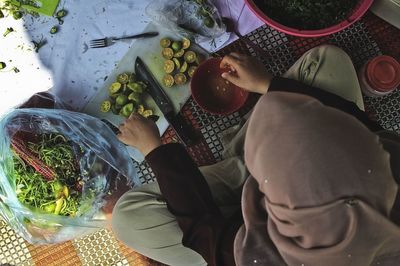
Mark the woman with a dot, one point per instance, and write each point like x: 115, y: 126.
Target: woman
x: 322, y: 186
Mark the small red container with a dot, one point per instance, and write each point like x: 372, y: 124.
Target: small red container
x: 379, y: 76
x: 212, y: 92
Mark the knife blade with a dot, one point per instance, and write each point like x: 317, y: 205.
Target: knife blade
x: 178, y: 123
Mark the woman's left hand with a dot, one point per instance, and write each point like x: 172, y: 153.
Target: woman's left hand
x: 141, y: 133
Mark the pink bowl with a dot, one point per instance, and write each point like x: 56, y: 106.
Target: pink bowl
x: 358, y: 12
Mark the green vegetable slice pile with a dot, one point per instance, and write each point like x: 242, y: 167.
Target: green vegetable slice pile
x: 125, y: 96
x: 62, y: 195
x: 180, y: 62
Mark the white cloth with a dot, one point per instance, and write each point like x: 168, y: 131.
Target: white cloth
x: 65, y: 64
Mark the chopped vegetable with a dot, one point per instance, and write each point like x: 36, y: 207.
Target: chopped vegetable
x: 114, y: 88
x: 121, y: 100
x: 17, y: 15
x: 136, y: 87
x: 165, y: 42
x: 127, y: 110
x: 1, y: 14
x: 176, y: 46
x: 190, y: 57
x: 8, y: 31
x: 185, y: 43
x: 180, y: 79
x: 54, y: 30
x: 191, y: 71
x: 2, y: 65
x: 61, y: 13
x: 132, y: 77
x: 140, y: 109
x: 123, y: 78
x: 169, y: 66
x: 167, y: 53
x: 177, y: 63
x: 168, y: 80
x: 39, y: 44
x: 147, y: 113
x: 179, y: 54
x: 15, y: 69
x: 134, y: 96
x: 184, y: 67
x: 105, y: 106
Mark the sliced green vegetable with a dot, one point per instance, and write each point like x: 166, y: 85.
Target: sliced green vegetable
x: 136, y: 87
x: 17, y: 15
x: 61, y: 13
x: 140, y: 109
x: 127, y: 110
x: 183, y: 68
x: 179, y: 54
x: 185, y: 43
x: 191, y: 71
x: 165, y: 42
x: 1, y: 14
x: 190, y: 57
x: 114, y: 88
x: 177, y: 63
x: 180, y: 79
x: 167, y: 53
x: 123, y: 78
x: 176, y: 46
x: 121, y: 100
x: 115, y: 109
x: 168, y: 80
x: 169, y: 66
x: 147, y: 113
x: 105, y: 106
x: 134, y: 96
x: 2, y: 65
x: 132, y: 77
x: 54, y: 30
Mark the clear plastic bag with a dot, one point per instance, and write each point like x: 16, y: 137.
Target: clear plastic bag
x: 104, y: 164
x: 194, y: 19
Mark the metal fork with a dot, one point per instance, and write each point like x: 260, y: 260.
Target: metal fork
x: 104, y: 42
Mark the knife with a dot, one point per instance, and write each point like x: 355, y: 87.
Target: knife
x: 183, y: 130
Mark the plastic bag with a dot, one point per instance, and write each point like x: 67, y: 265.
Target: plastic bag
x: 103, y: 162
x: 194, y: 19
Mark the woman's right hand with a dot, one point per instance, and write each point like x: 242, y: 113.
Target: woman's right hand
x: 246, y: 72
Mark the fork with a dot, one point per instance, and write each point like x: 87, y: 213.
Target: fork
x: 104, y: 42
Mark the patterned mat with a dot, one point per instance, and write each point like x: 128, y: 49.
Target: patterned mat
x: 367, y: 38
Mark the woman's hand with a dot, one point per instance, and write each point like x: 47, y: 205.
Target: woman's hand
x: 246, y: 72
x: 141, y: 133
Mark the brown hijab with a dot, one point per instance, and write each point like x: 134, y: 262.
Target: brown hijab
x: 321, y: 190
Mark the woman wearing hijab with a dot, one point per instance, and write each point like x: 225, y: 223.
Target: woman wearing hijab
x: 320, y: 187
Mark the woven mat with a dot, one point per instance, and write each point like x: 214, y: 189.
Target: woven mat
x: 367, y: 38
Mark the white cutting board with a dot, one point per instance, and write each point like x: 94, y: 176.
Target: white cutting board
x: 149, y: 50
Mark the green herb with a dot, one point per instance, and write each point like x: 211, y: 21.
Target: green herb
x: 8, y: 31
x: 2, y: 65
x: 307, y: 14
x: 54, y: 30
x: 60, y: 196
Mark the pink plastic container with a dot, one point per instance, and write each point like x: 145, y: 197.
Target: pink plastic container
x: 358, y: 12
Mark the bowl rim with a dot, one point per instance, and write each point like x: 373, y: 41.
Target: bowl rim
x: 359, y: 12
x: 246, y: 93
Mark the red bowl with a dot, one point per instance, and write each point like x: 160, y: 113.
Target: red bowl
x: 357, y: 13
x: 212, y: 92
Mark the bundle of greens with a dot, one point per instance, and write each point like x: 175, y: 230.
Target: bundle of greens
x: 47, y: 174
x: 307, y: 14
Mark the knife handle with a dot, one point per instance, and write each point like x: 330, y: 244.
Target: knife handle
x: 184, y: 131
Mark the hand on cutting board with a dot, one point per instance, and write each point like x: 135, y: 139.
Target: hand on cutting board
x: 141, y: 133
x: 246, y: 72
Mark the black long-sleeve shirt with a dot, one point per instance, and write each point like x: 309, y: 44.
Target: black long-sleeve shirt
x: 189, y: 198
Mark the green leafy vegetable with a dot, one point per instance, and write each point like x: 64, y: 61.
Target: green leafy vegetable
x: 60, y: 196
x: 307, y: 14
